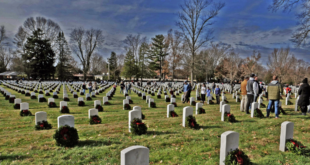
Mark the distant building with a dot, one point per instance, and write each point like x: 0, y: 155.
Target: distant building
x: 10, y: 75
x: 80, y: 76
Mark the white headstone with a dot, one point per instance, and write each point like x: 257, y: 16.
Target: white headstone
x: 51, y: 100
x: 192, y: 99
x: 24, y: 106
x: 105, y: 99
x: 172, y: 100
x: 229, y: 141
x: 147, y: 98
x: 92, y: 112
x: 61, y: 104
x: 125, y: 101
x: 80, y: 99
x: 198, y: 105
x: 65, y: 120
x: 187, y: 111
x: 287, y: 132
x: 97, y: 102
x: 253, y: 107
x: 225, y: 108
x: 133, y: 114
x: 40, y: 116
x: 170, y: 107
x: 135, y: 155
x: 17, y: 101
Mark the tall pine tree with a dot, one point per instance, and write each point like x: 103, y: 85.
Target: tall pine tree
x: 130, y: 69
x: 112, y: 65
x: 158, y: 53
x: 39, y: 56
x: 63, y: 52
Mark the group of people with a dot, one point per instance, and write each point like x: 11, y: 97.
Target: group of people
x: 90, y: 86
x: 125, y: 86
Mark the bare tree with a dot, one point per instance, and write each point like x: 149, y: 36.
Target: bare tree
x: 5, y: 52
x: 84, y: 43
x: 234, y: 63
x: 49, y: 28
x: 175, y: 39
x: 194, y: 19
x: 301, y: 34
x: 3, y: 36
x: 251, y: 63
x: 133, y: 42
x: 98, y: 64
x: 280, y: 61
x: 299, y: 69
x: 120, y: 61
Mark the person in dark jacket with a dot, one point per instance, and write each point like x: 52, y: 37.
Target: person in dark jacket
x: 217, y: 94
x: 304, y: 95
x: 188, y: 92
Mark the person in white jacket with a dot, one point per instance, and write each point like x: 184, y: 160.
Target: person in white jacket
x: 252, y: 90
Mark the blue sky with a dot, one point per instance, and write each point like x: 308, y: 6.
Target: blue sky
x: 245, y: 24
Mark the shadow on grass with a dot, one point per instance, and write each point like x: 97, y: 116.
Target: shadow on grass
x: 159, y: 133
x: 249, y: 121
x: 214, y: 126
x: 95, y: 143
x: 12, y: 157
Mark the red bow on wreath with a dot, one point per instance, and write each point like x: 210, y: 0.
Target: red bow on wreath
x: 25, y: 111
x: 192, y: 123
x: 64, y: 134
x: 239, y: 158
x: 42, y: 125
x: 228, y: 114
x: 139, y: 123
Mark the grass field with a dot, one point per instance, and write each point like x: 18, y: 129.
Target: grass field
x: 168, y: 141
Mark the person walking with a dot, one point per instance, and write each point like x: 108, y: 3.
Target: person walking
x: 243, y: 94
x: 304, y: 95
x: 252, y: 90
x: 274, y: 90
x: 188, y: 92
x: 90, y: 86
x: 184, y: 90
x: 84, y: 87
x: 128, y: 87
x: 217, y: 94
x: 203, y: 93
x: 259, y: 89
x: 213, y: 87
x: 208, y: 94
x: 122, y: 87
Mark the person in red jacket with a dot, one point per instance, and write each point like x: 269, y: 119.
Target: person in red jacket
x: 288, y: 90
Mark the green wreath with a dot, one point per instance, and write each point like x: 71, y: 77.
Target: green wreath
x: 43, y: 125
x: 137, y: 127
x: 66, y: 136
x: 95, y: 120
x: 191, y: 122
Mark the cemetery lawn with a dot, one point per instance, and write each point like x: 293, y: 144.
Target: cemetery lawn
x: 168, y: 141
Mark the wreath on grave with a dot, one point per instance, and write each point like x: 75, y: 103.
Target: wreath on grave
x: 42, y: 99
x: 167, y: 99
x: 47, y: 94
x: 25, y: 112
x: 211, y: 102
x: 23, y: 92
x: 193, y: 103
x: 7, y: 97
x: 137, y: 127
x: 229, y: 117
x: 258, y: 113
x: 66, y: 99
x: 99, y: 107
x: 144, y: 97
x: 237, y: 156
x: 40, y: 92
x: 64, y: 109
x: 19, y: 91
x: 158, y: 96
x: 81, y: 103
x: 93, y: 95
x: 130, y: 101
x: 95, y: 120
x: 126, y: 94
x: 201, y: 111
x: 107, y: 103
x: 142, y: 116
x: 27, y: 94
x: 127, y: 107
x: 11, y: 99
x: 173, y: 96
x: 51, y: 90
x: 75, y: 96
x: 198, y: 98
x: 35, y: 91
x: 139, y: 94
x: 109, y: 98
x: 191, y: 122
x: 97, y: 93
x: 41, y: 125
x: 52, y: 104
x: 153, y: 94
x: 175, y: 104
x: 296, y: 147
x: 153, y: 105
x: 173, y: 114
x: 81, y: 93
x: 16, y: 106
x: 66, y: 136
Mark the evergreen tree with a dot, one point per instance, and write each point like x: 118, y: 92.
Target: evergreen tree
x: 39, y: 56
x: 158, y: 54
x: 129, y: 69
x: 143, y: 68
x: 113, y: 66
x: 64, y: 53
